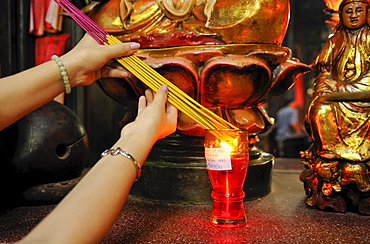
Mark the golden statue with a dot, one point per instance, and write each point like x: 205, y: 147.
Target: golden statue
x: 231, y: 21
x: 338, y: 160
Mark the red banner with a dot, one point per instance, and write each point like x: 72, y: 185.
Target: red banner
x: 49, y: 45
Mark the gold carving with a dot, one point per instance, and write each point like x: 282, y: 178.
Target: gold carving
x: 338, y: 161
x: 235, y: 21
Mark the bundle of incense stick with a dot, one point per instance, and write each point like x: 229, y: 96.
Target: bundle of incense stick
x: 147, y: 75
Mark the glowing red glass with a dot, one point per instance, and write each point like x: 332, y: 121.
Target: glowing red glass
x: 227, y: 164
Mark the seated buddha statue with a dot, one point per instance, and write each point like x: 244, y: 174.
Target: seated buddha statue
x: 338, y: 159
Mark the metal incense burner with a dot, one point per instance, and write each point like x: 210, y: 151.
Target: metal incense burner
x: 227, y: 55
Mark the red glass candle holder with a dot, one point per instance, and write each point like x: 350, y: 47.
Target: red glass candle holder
x: 226, y: 154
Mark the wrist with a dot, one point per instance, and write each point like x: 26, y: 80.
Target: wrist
x: 63, y: 73
x: 72, y: 67
x: 119, y: 151
x: 137, y: 143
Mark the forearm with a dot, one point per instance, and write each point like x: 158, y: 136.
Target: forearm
x: 88, y: 211
x: 23, y: 92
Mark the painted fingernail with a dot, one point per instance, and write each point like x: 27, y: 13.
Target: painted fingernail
x: 164, y: 87
x: 134, y: 45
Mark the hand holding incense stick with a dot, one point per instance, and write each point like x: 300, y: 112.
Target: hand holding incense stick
x: 88, y: 61
x: 28, y: 90
x: 147, y: 75
x: 89, y: 210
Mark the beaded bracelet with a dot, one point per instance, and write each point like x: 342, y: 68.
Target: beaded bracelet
x: 118, y: 151
x: 63, y: 72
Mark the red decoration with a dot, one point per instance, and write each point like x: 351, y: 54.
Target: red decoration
x: 44, y: 16
x: 299, y: 91
x: 49, y: 45
x: 37, y: 16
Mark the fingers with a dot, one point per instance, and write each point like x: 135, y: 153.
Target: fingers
x: 160, y: 96
x: 162, y: 93
x: 155, y: 114
x: 145, y: 100
x: 114, y: 64
x: 114, y: 72
x: 149, y: 94
x: 107, y: 52
x: 122, y: 49
x: 142, y: 104
x: 172, y: 112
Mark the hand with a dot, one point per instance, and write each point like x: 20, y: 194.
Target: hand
x: 89, y: 61
x: 156, y: 117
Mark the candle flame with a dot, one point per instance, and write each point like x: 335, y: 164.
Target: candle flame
x: 229, y: 143
x: 225, y: 145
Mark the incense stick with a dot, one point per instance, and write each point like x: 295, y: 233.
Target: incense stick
x: 148, y: 75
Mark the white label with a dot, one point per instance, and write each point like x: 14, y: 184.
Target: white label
x: 218, y: 158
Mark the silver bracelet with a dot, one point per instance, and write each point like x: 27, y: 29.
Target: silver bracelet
x: 118, y: 151
x: 63, y: 72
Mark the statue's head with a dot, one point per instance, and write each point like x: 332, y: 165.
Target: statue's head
x: 353, y: 13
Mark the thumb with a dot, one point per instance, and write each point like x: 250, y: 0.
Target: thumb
x: 123, y: 49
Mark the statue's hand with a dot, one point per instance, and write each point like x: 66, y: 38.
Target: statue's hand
x: 325, y: 84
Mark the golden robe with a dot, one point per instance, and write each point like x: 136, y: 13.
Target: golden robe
x: 342, y: 129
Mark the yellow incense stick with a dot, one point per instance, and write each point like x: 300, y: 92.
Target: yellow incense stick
x: 149, y: 76
x: 176, y: 96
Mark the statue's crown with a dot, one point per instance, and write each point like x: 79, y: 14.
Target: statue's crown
x: 352, y: 1
x: 345, y: 2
